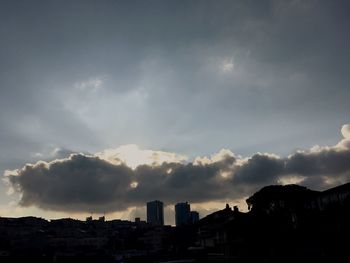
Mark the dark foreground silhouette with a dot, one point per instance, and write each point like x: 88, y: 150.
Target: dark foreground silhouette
x: 284, y: 224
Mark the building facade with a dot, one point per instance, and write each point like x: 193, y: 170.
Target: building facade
x: 194, y: 217
x: 182, y: 214
x: 155, y: 213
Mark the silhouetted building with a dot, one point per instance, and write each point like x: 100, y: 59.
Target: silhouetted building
x: 275, y: 198
x: 182, y: 214
x: 194, y: 217
x: 155, y: 213
x: 335, y: 197
x: 210, y: 232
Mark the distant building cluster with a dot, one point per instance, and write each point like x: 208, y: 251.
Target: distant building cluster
x: 183, y: 214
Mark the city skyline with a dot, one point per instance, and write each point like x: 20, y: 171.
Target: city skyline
x: 105, y: 105
x: 290, y: 221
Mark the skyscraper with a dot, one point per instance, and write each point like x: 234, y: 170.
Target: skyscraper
x: 194, y: 217
x: 182, y: 213
x: 155, y: 213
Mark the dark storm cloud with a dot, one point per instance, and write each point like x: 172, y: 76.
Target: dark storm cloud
x: 178, y: 182
x: 80, y: 183
x: 323, y: 162
x: 260, y: 169
x: 88, y: 183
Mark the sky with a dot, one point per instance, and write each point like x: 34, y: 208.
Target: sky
x: 105, y: 105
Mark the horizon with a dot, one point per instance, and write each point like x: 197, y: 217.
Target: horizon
x: 143, y: 218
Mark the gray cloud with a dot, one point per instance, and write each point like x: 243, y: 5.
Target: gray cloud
x: 260, y: 169
x: 88, y: 183
x: 323, y: 162
x: 79, y: 183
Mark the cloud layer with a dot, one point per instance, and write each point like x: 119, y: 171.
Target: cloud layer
x: 105, y: 182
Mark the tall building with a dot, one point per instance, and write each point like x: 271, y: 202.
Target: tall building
x: 194, y: 217
x: 155, y: 213
x: 182, y: 213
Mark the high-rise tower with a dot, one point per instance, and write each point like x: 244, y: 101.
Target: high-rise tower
x: 155, y: 213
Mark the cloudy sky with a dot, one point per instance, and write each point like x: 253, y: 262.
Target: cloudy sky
x: 105, y: 105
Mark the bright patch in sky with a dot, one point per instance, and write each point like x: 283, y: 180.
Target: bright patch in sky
x: 93, y: 84
x: 134, y: 184
x: 227, y: 65
x: 133, y: 156
x: 345, y: 130
x: 293, y: 179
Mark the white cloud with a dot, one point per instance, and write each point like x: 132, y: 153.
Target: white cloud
x: 345, y: 130
x: 133, y: 156
x: 134, y: 184
x: 217, y: 157
x: 292, y: 179
x: 92, y: 84
x: 227, y: 65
